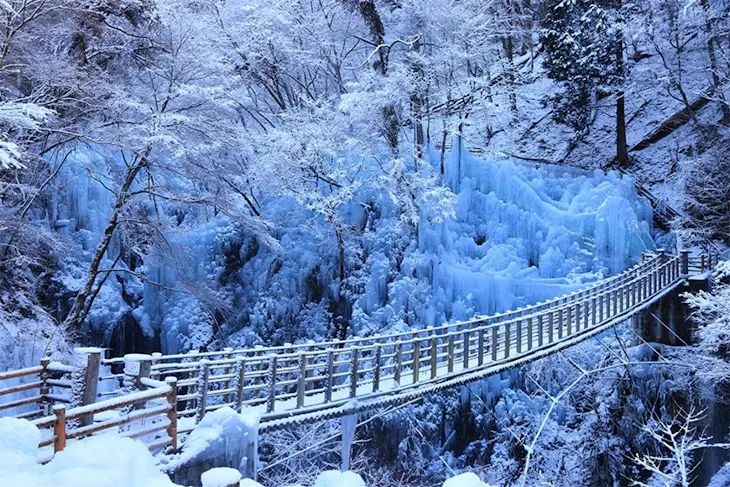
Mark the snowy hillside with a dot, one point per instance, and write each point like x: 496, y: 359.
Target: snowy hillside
x: 207, y: 175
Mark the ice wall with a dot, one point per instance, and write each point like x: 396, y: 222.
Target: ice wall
x: 524, y: 233
x: 520, y: 234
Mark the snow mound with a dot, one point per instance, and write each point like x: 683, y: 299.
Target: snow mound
x: 335, y: 478
x: 97, y: 461
x: 469, y: 479
x: 220, y: 477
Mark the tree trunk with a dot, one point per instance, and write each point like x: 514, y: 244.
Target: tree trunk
x: 622, y: 151
x: 77, y: 314
x: 712, y: 55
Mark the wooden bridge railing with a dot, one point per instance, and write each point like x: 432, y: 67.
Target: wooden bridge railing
x: 295, y: 380
x: 145, y: 408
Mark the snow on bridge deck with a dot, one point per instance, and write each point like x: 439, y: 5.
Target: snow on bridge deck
x: 315, y: 381
x: 310, y: 382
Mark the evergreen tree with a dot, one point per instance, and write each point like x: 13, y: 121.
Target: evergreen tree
x: 584, y: 46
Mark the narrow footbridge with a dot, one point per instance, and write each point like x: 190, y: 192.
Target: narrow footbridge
x: 159, y: 397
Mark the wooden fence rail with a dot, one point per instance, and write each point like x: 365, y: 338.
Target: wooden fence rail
x: 301, y: 378
x: 296, y: 380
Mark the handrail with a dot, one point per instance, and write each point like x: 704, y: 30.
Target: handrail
x: 293, y: 381
x: 296, y: 381
x: 531, y: 309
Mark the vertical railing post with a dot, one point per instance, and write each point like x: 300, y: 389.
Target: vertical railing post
x: 569, y: 321
x: 684, y: 259
x: 271, y: 400
x: 507, y: 340
x: 450, y: 353
x: 329, y: 375
x: 172, y: 412
x: 203, y: 376
x: 560, y: 323
x: 434, y: 355
x: 467, y: 347
x: 85, y: 379
x: 376, y: 367
x: 600, y: 308
x: 136, y: 367
x: 495, y: 341
x: 529, y: 333
x: 59, y: 428
x: 45, y: 389
x: 480, y: 347
x: 192, y: 391
x: 519, y: 336
x: 398, y: 362
x: 593, y: 312
x: 550, y: 327
x: 301, y: 379
x: 416, y: 352
x: 240, y: 371
x: 354, y: 358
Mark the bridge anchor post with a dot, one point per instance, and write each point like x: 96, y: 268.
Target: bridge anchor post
x: 348, y: 424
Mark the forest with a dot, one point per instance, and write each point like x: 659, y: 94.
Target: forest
x: 185, y: 176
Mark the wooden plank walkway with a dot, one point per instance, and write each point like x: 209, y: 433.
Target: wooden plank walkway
x: 162, y: 396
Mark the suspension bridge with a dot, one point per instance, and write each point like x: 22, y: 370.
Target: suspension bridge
x: 161, y: 398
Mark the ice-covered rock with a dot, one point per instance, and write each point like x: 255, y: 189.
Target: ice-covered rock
x: 219, y: 440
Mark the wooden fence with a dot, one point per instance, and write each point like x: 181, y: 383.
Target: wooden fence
x: 301, y: 379
x: 306, y: 377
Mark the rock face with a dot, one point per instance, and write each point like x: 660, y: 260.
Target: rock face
x: 221, y: 439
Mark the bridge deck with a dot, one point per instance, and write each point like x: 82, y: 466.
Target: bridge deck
x: 313, y: 381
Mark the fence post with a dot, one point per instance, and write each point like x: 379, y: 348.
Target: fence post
x: 172, y: 412
x: 540, y: 330
x: 240, y: 372
x: 569, y: 320
x: 203, y: 374
x: 560, y: 323
x: 593, y: 311
x: 330, y: 375
x: 450, y: 353
x: 59, y: 428
x: 529, y: 333
x: 136, y: 367
x: 480, y: 347
x: 416, y: 352
x: 376, y: 368
x: 467, y: 347
x: 506, y: 339
x: 550, y: 327
x: 271, y: 401
x: 434, y: 355
x: 85, y: 380
x: 302, y: 379
x: 45, y: 390
x: 354, y: 356
x: 495, y: 341
x: 519, y: 337
x: 684, y: 256
x: 398, y: 362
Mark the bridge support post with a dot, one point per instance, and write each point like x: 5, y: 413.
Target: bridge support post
x: 86, y: 379
x: 348, y: 424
